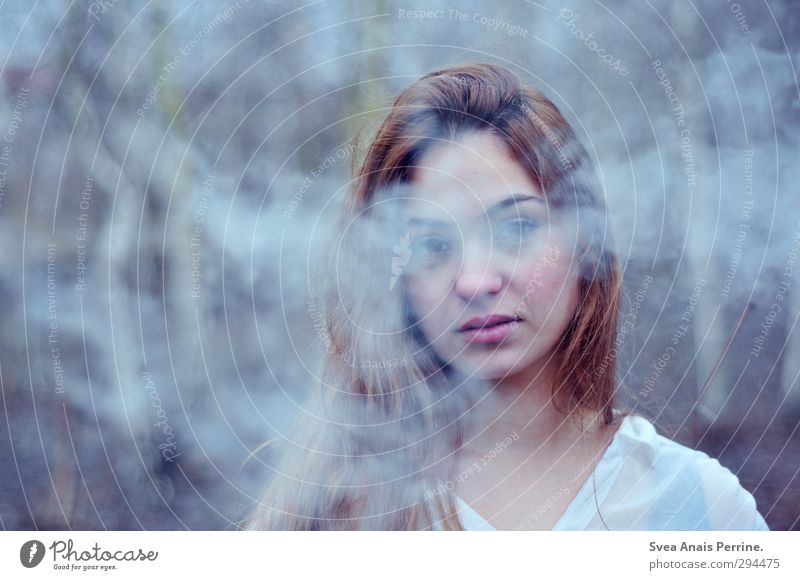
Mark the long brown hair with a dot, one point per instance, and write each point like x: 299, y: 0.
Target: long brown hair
x: 382, y: 430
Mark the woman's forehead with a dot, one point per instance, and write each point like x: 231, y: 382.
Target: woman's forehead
x: 467, y: 176
x: 474, y: 157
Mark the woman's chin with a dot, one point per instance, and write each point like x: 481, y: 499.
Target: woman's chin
x: 491, y: 367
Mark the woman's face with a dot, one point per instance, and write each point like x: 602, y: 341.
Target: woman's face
x: 490, y: 277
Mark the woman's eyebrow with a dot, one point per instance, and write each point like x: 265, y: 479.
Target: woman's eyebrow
x: 513, y: 200
x: 425, y: 221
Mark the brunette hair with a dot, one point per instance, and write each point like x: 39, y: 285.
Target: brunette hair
x: 388, y: 434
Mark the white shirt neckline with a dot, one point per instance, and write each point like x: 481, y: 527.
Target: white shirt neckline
x: 602, y: 477
x: 650, y: 482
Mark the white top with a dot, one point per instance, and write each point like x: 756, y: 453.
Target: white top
x: 645, y: 481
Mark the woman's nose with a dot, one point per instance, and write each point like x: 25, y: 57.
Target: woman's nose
x: 478, y: 277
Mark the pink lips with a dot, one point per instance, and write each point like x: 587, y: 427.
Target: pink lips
x: 488, y: 329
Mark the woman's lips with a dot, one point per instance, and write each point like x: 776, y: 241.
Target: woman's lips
x: 490, y: 334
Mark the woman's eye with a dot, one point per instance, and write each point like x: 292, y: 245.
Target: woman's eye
x: 429, y: 248
x: 516, y: 230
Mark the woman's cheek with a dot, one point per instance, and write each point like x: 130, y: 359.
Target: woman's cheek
x: 424, y: 300
x: 564, y: 290
x: 553, y: 284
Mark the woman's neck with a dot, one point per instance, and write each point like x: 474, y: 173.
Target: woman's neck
x: 523, y: 405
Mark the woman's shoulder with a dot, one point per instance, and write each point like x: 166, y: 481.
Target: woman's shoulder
x: 681, y: 487
x: 639, y: 436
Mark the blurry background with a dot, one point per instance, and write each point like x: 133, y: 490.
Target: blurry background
x: 168, y: 170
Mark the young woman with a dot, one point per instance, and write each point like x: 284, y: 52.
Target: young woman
x: 470, y: 318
